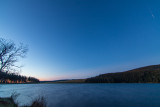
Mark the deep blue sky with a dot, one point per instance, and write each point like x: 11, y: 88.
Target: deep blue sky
x: 83, y: 38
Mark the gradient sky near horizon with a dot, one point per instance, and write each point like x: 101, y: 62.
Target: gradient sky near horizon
x: 82, y: 38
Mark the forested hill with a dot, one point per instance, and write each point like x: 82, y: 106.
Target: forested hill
x: 16, y: 78
x: 148, y: 74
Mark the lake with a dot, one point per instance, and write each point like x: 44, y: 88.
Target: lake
x: 87, y: 95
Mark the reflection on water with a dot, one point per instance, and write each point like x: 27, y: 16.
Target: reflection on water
x: 87, y: 95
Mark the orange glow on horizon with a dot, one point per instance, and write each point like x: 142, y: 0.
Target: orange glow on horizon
x: 49, y: 79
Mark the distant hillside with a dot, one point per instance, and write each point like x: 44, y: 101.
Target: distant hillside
x: 72, y: 81
x: 16, y: 78
x: 148, y: 74
x: 66, y: 81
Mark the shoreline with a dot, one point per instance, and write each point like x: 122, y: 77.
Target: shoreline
x: 7, y: 102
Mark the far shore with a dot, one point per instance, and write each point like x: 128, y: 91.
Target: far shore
x: 64, y: 81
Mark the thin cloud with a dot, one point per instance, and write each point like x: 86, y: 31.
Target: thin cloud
x: 153, y: 16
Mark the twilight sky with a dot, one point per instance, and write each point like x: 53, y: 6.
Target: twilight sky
x: 82, y: 38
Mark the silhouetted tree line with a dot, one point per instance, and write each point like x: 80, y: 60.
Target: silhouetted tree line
x: 9, y: 55
x: 149, y: 74
x: 15, y: 78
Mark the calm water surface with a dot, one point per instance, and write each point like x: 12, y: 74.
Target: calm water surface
x: 87, y: 95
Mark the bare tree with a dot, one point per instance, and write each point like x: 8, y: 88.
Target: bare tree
x: 9, y: 55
